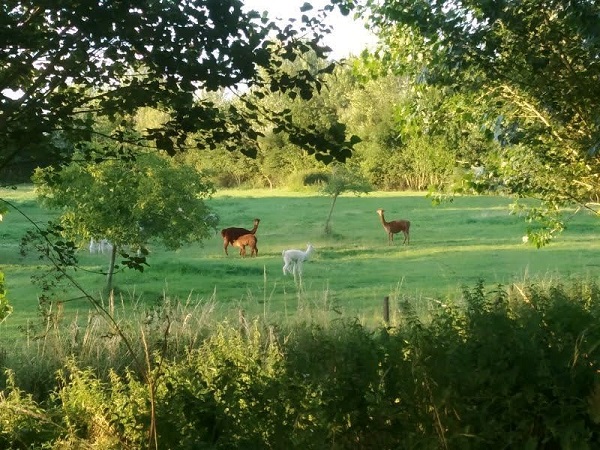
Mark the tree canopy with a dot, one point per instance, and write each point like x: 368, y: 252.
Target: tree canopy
x: 129, y: 203
x: 536, y: 63
x: 541, y: 55
x: 63, y: 64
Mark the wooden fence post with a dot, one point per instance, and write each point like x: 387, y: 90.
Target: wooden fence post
x: 386, y: 310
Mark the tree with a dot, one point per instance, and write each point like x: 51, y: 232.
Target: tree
x: 342, y: 179
x: 412, y: 135
x: 129, y: 204
x: 64, y: 64
x: 539, y: 60
x: 280, y: 152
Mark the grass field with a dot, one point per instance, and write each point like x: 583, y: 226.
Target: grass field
x: 452, y: 245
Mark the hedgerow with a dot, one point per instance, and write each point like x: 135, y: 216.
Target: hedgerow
x: 512, y: 367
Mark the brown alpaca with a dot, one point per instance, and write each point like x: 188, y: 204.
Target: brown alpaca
x: 395, y: 226
x: 243, y: 241
x: 230, y: 235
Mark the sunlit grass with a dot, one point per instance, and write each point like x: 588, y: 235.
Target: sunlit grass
x: 452, y: 245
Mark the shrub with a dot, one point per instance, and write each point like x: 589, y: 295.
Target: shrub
x: 506, y: 368
x: 23, y: 422
x: 309, y: 178
x: 5, y: 307
x: 315, y: 178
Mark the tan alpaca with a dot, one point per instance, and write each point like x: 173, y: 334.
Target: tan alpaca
x: 230, y: 235
x: 246, y: 240
x: 395, y: 226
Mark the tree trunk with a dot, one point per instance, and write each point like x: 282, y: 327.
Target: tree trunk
x: 268, y: 179
x: 327, y: 226
x: 111, y: 269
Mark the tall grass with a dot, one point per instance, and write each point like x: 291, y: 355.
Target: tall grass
x: 509, y: 368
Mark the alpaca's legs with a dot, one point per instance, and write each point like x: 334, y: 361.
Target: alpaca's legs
x: 298, y: 273
x: 293, y: 264
x: 287, y: 266
x: 296, y: 268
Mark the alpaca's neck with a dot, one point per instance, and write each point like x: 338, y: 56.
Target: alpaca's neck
x: 385, y: 224
x: 307, y: 253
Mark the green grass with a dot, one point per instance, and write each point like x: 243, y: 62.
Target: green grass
x: 452, y: 245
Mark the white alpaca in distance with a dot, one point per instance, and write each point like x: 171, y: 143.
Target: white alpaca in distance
x: 101, y: 246
x: 293, y: 259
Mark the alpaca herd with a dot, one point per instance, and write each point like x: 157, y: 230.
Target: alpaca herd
x: 293, y: 259
x: 100, y: 246
x: 104, y: 246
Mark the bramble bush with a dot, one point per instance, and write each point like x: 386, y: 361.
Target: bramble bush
x: 512, y: 367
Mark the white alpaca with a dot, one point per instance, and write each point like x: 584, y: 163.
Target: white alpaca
x: 93, y: 246
x: 101, y: 246
x: 105, y: 246
x: 293, y: 259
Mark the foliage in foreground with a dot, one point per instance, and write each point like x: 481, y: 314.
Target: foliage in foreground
x: 513, y: 368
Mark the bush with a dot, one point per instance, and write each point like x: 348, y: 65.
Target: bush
x: 307, y: 179
x: 316, y: 178
x: 507, y: 368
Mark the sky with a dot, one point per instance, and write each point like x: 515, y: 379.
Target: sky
x: 348, y: 37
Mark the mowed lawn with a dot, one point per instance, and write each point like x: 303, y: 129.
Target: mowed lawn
x: 353, y: 269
